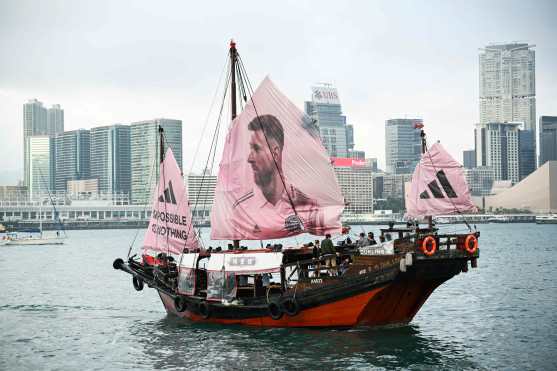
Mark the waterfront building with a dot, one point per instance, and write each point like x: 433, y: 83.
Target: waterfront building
x: 72, y: 151
x: 201, y: 193
x: 326, y: 111
x: 393, y: 185
x: 403, y: 145
x: 469, y: 158
x: 83, y: 186
x: 508, y: 93
x: 536, y: 193
x: 497, y: 146
x: 480, y: 180
x: 355, y: 153
x: 372, y: 163
x: 548, y: 139
x: 39, y: 154
x: 111, y: 158
x: 13, y: 193
x: 144, y: 149
x: 355, y: 179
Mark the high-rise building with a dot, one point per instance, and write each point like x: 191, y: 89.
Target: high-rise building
x: 34, y: 123
x: 144, y: 148
x: 355, y: 179
x: 480, y: 180
x: 403, y: 145
x: 469, y: 158
x: 111, y: 158
x: 393, y: 185
x: 40, y: 158
x: 548, y: 139
x: 497, y: 147
x: 508, y: 93
x: 37, y: 120
x: 325, y: 109
x: 201, y: 193
x: 55, y: 120
x: 72, y: 151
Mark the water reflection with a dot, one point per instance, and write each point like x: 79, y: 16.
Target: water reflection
x: 176, y: 343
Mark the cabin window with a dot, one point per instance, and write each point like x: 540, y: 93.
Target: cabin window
x: 221, y: 285
x: 186, y: 281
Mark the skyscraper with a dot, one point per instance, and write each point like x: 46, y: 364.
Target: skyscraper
x: 55, y: 120
x: 403, y: 145
x: 34, y: 123
x: 469, y: 158
x: 144, y: 148
x: 37, y: 120
x: 325, y: 109
x: 548, y: 139
x: 39, y: 154
x: 111, y: 158
x: 497, y: 147
x: 508, y: 93
x: 72, y: 151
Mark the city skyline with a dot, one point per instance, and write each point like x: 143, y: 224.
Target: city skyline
x: 383, y: 71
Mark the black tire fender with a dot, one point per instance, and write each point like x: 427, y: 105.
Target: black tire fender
x: 180, y: 304
x: 204, y: 309
x: 291, y: 306
x: 137, y: 283
x: 275, y: 310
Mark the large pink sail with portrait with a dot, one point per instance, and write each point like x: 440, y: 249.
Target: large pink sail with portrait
x: 170, y: 229
x: 275, y: 178
x: 438, y: 186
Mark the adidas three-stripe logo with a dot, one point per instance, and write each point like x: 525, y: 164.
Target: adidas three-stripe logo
x: 168, y: 195
x: 436, y: 191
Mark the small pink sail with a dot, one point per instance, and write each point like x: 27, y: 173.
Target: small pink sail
x: 170, y: 229
x: 438, y: 186
x: 275, y: 177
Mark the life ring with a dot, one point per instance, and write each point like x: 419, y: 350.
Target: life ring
x: 275, y: 311
x: 180, y: 304
x: 204, y: 309
x: 471, y: 244
x: 137, y: 283
x: 291, y: 306
x: 429, y: 246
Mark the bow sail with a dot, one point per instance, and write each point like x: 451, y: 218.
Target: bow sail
x: 275, y: 178
x: 170, y: 229
x: 438, y: 186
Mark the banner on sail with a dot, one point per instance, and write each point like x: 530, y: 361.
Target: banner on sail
x: 275, y: 178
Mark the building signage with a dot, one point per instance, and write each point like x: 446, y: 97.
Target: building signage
x: 324, y: 95
x: 348, y: 162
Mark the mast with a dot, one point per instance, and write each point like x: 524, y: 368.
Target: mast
x: 161, y: 144
x: 233, y: 60
x: 429, y: 218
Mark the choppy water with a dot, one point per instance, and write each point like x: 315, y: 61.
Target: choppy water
x: 64, y: 307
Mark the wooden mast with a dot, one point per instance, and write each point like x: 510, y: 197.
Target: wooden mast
x: 233, y: 60
x: 429, y: 218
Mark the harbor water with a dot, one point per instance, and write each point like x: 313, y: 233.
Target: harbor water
x: 65, y: 308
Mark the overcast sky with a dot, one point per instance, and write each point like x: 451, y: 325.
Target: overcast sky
x: 111, y: 62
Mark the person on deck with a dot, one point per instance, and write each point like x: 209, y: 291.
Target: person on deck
x: 370, y: 239
x: 362, y: 241
x: 329, y: 252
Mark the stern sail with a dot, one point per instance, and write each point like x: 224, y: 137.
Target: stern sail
x: 275, y: 178
x: 170, y: 229
x: 438, y: 186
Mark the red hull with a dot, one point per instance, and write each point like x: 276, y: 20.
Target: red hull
x: 396, y: 303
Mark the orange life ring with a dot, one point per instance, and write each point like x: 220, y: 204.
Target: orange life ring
x: 471, y: 249
x: 429, y: 246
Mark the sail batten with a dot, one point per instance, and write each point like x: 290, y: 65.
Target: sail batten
x: 275, y: 178
x: 438, y: 186
x: 170, y: 227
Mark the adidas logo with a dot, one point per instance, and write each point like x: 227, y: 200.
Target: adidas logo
x: 436, y: 190
x: 168, y: 195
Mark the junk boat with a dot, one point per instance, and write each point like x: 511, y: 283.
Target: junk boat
x: 275, y: 181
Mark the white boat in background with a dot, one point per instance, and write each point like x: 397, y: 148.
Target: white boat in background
x: 546, y: 219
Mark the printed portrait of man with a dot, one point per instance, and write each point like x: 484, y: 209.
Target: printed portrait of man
x: 273, y: 201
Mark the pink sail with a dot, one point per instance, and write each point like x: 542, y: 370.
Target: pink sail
x: 438, y: 186
x: 170, y: 229
x: 275, y: 178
